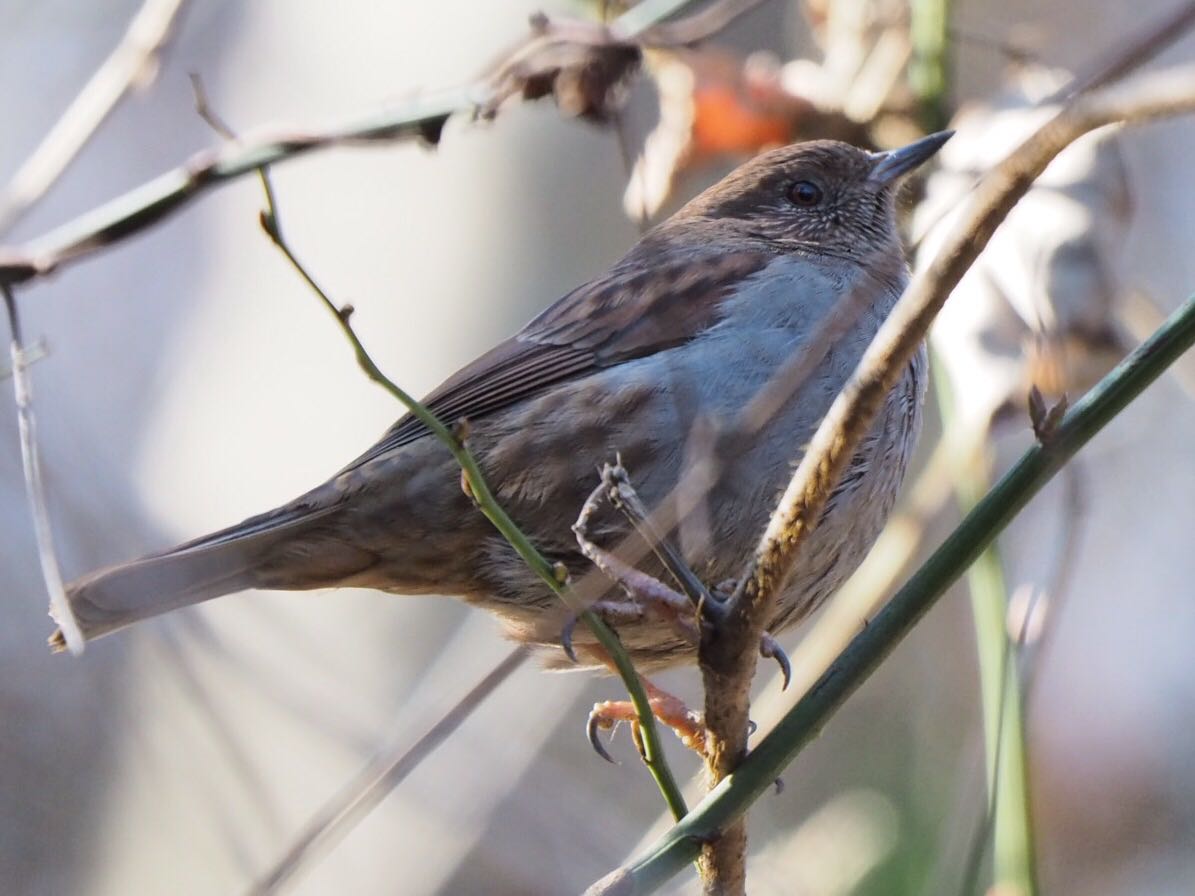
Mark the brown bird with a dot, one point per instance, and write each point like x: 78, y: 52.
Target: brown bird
x: 687, y: 327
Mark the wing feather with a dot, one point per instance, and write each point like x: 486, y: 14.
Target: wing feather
x: 634, y: 310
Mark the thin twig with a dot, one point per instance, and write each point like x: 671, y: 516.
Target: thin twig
x: 653, y: 753
x: 1072, y: 528
x: 695, y: 28
x: 1128, y: 56
x: 1027, y: 666
x: 1008, y: 816
x: 488, y: 504
x: 727, y: 801
x: 521, y: 74
x: 35, y: 490
x: 132, y: 64
x: 624, y: 498
x: 372, y: 784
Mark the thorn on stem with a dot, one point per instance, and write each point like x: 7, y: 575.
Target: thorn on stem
x: 1045, y: 419
x: 560, y: 572
x: 269, y: 223
x: 432, y: 129
x: 637, y: 738
x: 467, y: 487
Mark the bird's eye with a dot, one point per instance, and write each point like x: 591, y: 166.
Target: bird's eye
x: 804, y: 194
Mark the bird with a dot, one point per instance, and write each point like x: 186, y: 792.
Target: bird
x: 678, y: 335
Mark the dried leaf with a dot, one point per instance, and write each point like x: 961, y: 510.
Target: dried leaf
x: 1036, y: 309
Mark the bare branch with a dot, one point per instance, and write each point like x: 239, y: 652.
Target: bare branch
x: 35, y: 491
x: 580, y: 63
x: 1129, y: 55
x: 373, y: 783
x: 131, y: 65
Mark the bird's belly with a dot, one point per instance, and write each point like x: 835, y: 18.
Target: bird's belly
x: 660, y: 431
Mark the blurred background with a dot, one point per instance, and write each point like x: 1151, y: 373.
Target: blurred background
x: 192, y: 380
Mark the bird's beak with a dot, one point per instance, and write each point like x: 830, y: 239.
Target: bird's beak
x: 893, y: 164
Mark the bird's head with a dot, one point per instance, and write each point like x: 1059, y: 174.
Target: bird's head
x: 818, y: 196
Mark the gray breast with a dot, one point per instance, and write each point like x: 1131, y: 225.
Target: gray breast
x: 860, y: 505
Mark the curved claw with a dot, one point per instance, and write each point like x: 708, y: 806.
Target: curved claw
x: 566, y: 639
x: 769, y: 649
x: 751, y: 727
x: 592, y: 727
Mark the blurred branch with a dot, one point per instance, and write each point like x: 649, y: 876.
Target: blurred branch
x: 133, y: 64
x: 1122, y: 60
x: 1011, y: 823
x: 1038, y: 624
x: 731, y: 665
x: 1140, y: 316
x: 1127, y: 56
x: 694, y: 28
x: 929, y: 67
x: 374, y: 782
x: 35, y: 490
x: 581, y: 64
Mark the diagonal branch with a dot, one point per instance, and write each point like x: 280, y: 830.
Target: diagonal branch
x: 131, y: 65
x: 35, y: 490
x: 337, y: 817
x: 729, y: 667
x: 574, y: 61
x: 730, y: 798
x: 1154, y: 37
x: 487, y: 503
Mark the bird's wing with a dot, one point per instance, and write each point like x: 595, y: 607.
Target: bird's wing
x: 636, y: 309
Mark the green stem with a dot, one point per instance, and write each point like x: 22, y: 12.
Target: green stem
x: 929, y: 68
x: 1013, y: 865
x: 1009, y: 810
x: 653, y: 753
x: 732, y: 796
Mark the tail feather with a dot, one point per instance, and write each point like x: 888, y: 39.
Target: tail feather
x: 233, y: 559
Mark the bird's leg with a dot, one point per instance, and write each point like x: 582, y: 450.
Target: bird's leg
x: 686, y: 613
x: 616, y: 482
x: 649, y: 596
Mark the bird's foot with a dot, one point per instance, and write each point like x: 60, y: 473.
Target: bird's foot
x: 769, y: 647
x: 668, y: 709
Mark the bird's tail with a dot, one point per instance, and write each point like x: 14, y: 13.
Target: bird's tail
x: 280, y: 549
